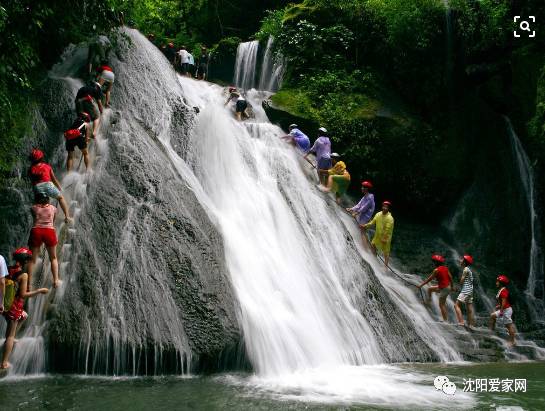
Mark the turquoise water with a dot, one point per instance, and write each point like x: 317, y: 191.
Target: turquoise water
x: 229, y: 391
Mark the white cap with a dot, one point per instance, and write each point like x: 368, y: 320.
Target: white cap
x: 335, y: 155
x: 322, y: 129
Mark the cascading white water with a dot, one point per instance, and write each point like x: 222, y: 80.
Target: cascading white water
x: 272, y: 69
x: 535, y: 276
x: 245, y: 65
x: 295, y: 272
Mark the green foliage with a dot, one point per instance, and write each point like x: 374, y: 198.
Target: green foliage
x: 271, y: 25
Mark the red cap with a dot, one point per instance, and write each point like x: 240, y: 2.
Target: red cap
x: 468, y: 259
x: 438, y: 258
x: 503, y: 279
x: 387, y: 203
x: 366, y: 184
x: 36, y: 155
x: 171, y: 44
x: 22, y: 252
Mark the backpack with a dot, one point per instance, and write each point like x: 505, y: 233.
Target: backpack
x: 73, y: 133
x: 11, y: 287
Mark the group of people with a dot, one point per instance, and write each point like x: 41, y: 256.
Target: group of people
x: 16, y: 280
x: 184, y: 61
x: 334, y: 178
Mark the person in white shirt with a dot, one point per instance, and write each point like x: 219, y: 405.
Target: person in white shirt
x: 3, y: 275
x: 191, y: 65
x: 183, y: 56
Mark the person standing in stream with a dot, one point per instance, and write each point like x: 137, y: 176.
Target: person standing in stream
x: 444, y: 283
x: 384, y: 229
x: 15, y: 313
x: 322, y: 149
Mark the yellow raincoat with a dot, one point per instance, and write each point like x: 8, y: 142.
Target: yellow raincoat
x: 384, y: 228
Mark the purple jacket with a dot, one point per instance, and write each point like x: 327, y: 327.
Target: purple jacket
x: 365, y: 208
x: 322, y: 148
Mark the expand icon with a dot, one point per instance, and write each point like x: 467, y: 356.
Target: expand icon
x: 442, y: 383
x: 524, y: 25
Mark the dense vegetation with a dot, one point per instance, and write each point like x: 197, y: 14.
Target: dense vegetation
x: 407, y: 61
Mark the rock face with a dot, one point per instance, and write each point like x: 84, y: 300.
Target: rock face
x: 145, y: 284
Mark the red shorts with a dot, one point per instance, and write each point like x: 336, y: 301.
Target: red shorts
x: 39, y: 236
x: 17, y: 312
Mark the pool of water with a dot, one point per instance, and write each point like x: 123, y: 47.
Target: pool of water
x: 245, y: 392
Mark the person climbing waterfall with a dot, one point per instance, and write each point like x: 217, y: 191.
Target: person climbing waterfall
x: 78, y: 136
x: 44, y: 181
x: 363, y: 211
x: 504, y: 311
x: 86, y: 98
x: 383, y: 221
x: 240, y: 104
x: 18, y: 285
x: 106, y: 78
x: 202, y: 66
x: 322, y: 149
x: 444, y: 283
x: 297, y: 138
x: 3, y: 275
x: 43, y: 232
x: 338, y: 180
x: 466, y: 293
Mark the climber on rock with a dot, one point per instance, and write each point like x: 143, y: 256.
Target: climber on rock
x: 504, y: 311
x: 106, y: 78
x: 322, y: 149
x: 86, y: 98
x: 444, y: 283
x: 17, y: 291
x: 43, y: 232
x: 466, y: 293
x: 78, y: 136
x: 45, y: 182
x: 297, y: 138
x: 363, y: 211
x: 384, y: 228
x: 338, y: 180
x: 241, y: 105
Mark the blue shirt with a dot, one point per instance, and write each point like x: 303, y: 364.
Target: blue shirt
x: 365, y: 208
x: 301, y: 139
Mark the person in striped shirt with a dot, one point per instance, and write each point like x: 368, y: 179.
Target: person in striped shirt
x: 466, y: 293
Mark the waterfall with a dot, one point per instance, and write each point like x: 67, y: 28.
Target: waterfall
x: 247, y: 62
x: 245, y: 66
x: 535, y: 284
x: 272, y: 69
x: 318, y: 314
x: 449, y: 62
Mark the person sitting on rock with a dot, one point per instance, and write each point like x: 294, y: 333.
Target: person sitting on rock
x: 298, y: 138
x: 444, y: 283
x: 16, y: 313
x: 504, y: 311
